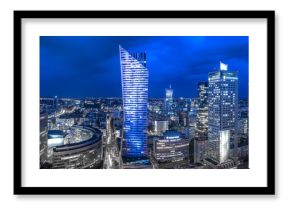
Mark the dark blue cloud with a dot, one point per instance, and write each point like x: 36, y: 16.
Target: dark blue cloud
x: 84, y: 66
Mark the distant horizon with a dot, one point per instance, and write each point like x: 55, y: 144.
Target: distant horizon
x: 89, y: 67
x: 89, y: 97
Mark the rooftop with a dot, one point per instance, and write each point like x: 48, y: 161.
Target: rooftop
x: 171, y: 134
x: 55, y: 134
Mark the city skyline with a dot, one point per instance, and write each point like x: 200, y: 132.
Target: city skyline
x: 178, y: 130
x: 83, y: 66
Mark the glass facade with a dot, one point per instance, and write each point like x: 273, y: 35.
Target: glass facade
x: 202, y: 109
x: 43, y: 135
x: 134, y: 76
x: 168, y: 100
x: 222, y: 111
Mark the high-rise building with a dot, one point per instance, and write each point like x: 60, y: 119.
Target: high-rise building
x: 199, y: 149
x: 168, y: 103
x: 200, y: 141
x: 43, y: 135
x: 55, y: 102
x: 202, y: 110
x: 243, y: 124
x: 222, y: 112
x: 134, y: 76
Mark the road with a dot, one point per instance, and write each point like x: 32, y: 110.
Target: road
x: 111, y: 153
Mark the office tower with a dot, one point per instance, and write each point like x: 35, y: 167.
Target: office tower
x: 243, y: 124
x: 168, y: 103
x: 200, y: 145
x: 171, y: 150
x: 202, y: 110
x: 43, y: 138
x: 134, y: 76
x: 222, y: 112
x: 55, y: 102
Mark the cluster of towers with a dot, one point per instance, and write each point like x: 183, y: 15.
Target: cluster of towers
x: 217, y: 112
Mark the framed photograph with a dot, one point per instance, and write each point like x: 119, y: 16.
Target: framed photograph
x: 144, y: 102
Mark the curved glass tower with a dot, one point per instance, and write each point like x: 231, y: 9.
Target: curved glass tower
x: 134, y: 76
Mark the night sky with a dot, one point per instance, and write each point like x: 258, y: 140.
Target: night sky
x: 89, y: 66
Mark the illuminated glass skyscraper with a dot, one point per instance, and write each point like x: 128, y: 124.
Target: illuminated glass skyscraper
x: 222, y: 111
x: 202, y: 110
x: 168, y: 103
x: 134, y: 76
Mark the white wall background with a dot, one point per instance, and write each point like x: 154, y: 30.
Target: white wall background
x: 282, y: 98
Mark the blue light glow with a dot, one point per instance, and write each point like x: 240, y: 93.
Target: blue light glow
x: 134, y: 76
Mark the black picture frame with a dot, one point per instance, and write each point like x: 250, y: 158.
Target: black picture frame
x: 268, y: 190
